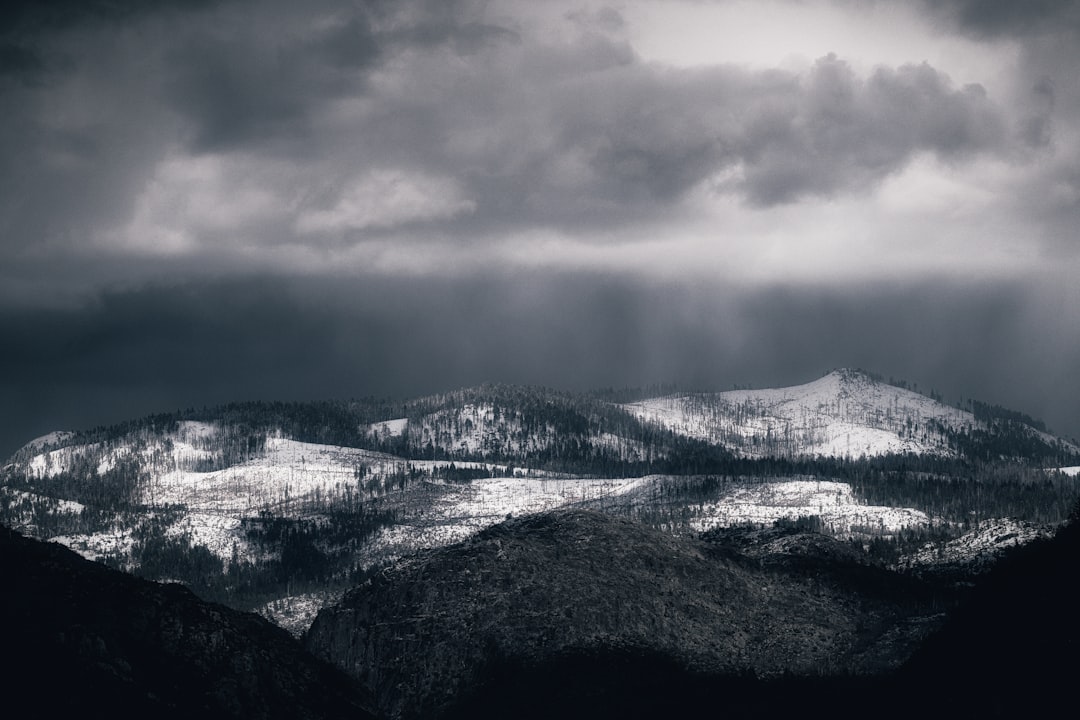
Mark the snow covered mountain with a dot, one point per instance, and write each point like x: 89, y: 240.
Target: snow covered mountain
x: 282, y: 506
x: 845, y: 414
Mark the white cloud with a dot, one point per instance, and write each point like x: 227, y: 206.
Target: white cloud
x: 382, y: 199
x: 194, y: 203
x: 775, y: 33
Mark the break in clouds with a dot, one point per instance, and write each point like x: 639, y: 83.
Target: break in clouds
x: 839, y: 155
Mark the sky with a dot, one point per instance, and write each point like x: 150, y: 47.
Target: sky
x: 208, y: 201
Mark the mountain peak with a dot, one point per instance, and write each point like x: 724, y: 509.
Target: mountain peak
x: 853, y: 375
x: 47, y: 441
x: 845, y: 413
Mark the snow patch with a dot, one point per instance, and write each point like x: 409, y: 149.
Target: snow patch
x: 295, y: 613
x: 460, y: 510
x: 55, y: 505
x: 833, y: 502
x: 115, y: 542
x: 978, y: 547
x: 57, y: 462
x: 220, y: 533
x: 191, y: 431
x: 390, y: 428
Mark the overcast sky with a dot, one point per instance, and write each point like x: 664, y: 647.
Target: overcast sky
x: 209, y: 201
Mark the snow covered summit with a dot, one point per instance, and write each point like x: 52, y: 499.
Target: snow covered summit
x: 846, y: 413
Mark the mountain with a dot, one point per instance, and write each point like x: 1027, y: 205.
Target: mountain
x: 281, y: 507
x: 499, y: 538
x: 1011, y: 648
x: 976, y: 550
x: 432, y: 627
x: 846, y: 413
x: 94, y: 641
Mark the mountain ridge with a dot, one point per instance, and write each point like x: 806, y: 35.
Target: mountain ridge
x: 255, y: 505
x: 761, y: 427
x: 573, y: 580
x: 845, y: 413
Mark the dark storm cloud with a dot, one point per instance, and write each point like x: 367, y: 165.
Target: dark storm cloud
x: 165, y: 348
x: 95, y: 102
x: 26, y: 25
x: 82, y: 122
x: 262, y: 75
x: 845, y: 133
x: 618, y: 138
x: 1008, y: 18
x: 236, y: 93
x: 21, y: 62
x: 172, y: 152
x: 26, y: 17
x: 466, y: 38
x: 500, y: 130
x: 1037, y: 128
x: 650, y: 136
x: 588, y: 135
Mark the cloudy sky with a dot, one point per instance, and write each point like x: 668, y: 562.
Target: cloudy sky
x: 211, y: 201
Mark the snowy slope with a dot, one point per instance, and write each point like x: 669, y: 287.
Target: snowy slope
x: 513, y: 424
x: 977, y: 548
x: 389, y: 428
x: 833, y: 502
x: 478, y: 429
x: 210, y: 483
x: 452, y: 512
x: 843, y: 414
x: 289, y: 478
x: 56, y: 437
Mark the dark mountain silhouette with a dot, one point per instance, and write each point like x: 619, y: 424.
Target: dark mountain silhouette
x: 1013, y: 649
x: 577, y: 615
x: 569, y: 615
x: 565, y: 589
x: 83, y: 640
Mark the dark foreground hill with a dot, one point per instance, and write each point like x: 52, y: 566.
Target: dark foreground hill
x: 568, y: 615
x: 1013, y: 649
x: 572, y: 615
x: 82, y: 640
x: 589, y: 600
